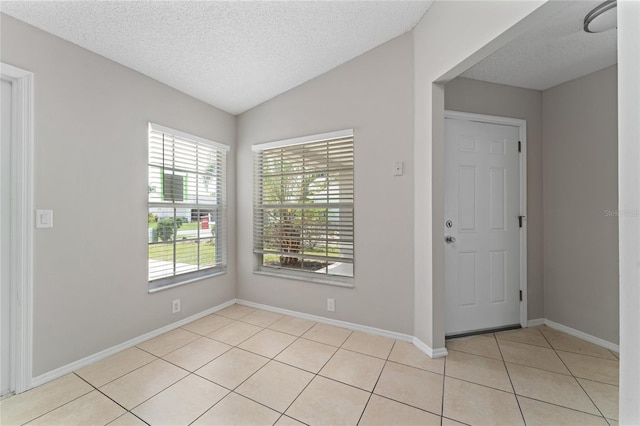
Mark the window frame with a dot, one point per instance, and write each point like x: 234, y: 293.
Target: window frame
x: 259, y: 208
x: 218, y: 207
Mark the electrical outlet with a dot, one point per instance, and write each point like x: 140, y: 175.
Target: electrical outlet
x: 331, y: 305
x: 175, y: 306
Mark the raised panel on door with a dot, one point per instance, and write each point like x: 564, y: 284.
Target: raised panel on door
x: 497, y: 198
x: 467, y: 198
x: 467, y: 274
x: 497, y: 276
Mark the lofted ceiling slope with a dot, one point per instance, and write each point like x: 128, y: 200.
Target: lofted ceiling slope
x: 230, y: 54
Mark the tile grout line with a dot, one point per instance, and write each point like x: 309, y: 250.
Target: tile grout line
x: 113, y: 400
x: 239, y: 343
x: 370, y: 393
x: 305, y: 387
x: 60, y: 406
x: 561, y: 406
x: 193, y: 373
x: 481, y: 385
x: 231, y: 390
x: 541, y: 369
x: 198, y: 368
x: 515, y: 395
x: 574, y: 378
x: 395, y: 400
x: 551, y: 345
x: 580, y: 384
x: 444, y: 378
x: 179, y: 347
x: 138, y: 368
x: 316, y: 374
x: 577, y: 353
x: 491, y: 359
x: 125, y: 374
x: 571, y: 374
x: 376, y: 383
x: 535, y: 346
x: 154, y: 395
x: 270, y: 359
x: 390, y: 398
x: 537, y: 368
x: 210, y: 408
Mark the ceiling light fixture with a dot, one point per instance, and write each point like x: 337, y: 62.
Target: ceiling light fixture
x: 602, y: 18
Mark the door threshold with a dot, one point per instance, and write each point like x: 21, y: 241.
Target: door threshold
x: 482, y: 331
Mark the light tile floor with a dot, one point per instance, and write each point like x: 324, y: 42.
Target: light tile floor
x: 243, y: 366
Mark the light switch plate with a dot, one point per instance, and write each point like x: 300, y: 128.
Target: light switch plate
x: 398, y: 167
x: 44, y: 218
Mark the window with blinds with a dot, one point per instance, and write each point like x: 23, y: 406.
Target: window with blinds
x: 303, y: 205
x: 187, y: 207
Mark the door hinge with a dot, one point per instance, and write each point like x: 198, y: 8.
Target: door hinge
x: 519, y: 146
x: 520, y: 221
x: 521, y: 295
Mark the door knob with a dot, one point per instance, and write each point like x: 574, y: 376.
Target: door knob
x: 449, y: 239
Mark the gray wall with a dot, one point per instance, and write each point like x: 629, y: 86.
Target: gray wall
x: 481, y: 97
x: 450, y: 38
x: 90, y: 270
x: 373, y: 94
x: 580, y: 186
x: 91, y: 155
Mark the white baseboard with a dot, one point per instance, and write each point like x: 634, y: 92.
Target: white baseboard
x: 573, y: 332
x: 330, y: 321
x: 69, y: 368
x: 535, y: 322
x: 73, y: 366
x: 582, y: 335
x: 431, y: 353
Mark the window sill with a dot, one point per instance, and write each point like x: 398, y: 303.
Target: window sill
x: 334, y: 280
x: 188, y: 280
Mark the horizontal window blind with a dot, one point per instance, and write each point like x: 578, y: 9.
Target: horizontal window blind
x: 304, y: 205
x: 187, y: 206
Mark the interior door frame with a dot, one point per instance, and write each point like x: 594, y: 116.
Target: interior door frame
x: 22, y: 221
x: 522, y: 158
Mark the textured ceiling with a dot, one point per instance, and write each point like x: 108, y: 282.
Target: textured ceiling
x: 233, y: 55
x: 551, y: 54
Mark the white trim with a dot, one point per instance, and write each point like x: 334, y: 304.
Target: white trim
x: 22, y: 142
x: 217, y: 272
x: 482, y: 118
x: 431, y: 353
x: 71, y: 367
x: 188, y: 136
x: 335, y: 280
x: 582, y: 335
x: 535, y: 322
x: 522, y: 130
x: 423, y: 347
x: 330, y: 321
x: 303, y: 139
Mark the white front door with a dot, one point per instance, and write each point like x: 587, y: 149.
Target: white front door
x: 482, y: 226
x: 5, y: 240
